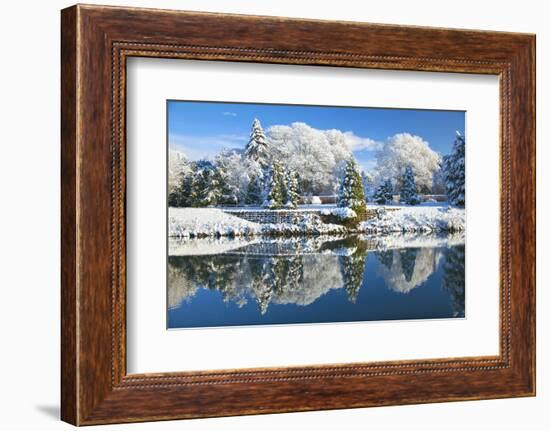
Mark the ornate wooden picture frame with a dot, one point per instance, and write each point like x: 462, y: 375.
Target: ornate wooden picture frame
x: 96, y: 41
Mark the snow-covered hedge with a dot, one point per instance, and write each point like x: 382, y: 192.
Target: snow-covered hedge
x: 417, y: 219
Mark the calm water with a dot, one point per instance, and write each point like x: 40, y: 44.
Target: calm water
x: 314, y: 280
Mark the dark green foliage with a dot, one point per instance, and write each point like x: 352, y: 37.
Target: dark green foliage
x: 455, y: 173
x: 408, y: 194
x: 351, y: 193
x: 181, y: 196
x: 254, y: 191
x: 384, y: 193
x: 201, y: 187
x: 206, y: 187
x: 275, y: 187
x: 453, y: 278
x: 291, y: 194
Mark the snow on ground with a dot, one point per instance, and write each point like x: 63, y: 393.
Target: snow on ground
x: 201, y: 222
x: 186, y: 222
x: 423, y: 218
x: 426, y: 218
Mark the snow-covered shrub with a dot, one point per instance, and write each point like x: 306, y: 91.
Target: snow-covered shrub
x: 315, y: 200
x: 340, y: 213
x: 417, y: 219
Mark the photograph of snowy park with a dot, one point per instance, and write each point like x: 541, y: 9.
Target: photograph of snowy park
x: 289, y: 214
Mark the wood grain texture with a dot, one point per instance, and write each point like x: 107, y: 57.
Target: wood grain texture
x: 96, y: 41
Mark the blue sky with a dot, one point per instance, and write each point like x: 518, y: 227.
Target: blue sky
x: 202, y: 129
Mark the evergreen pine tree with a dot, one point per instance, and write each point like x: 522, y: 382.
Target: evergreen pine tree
x: 455, y: 175
x: 351, y: 193
x: 254, y: 191
x: 384, y: 193
x: 275, y: 188
x: 291, y: 195
x: 181, y: 196
x: 206, y: 187
x: 227, y: 194
x: 257, y: 148
x: 408, y: 194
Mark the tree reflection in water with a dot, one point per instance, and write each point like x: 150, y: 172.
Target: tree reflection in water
x: 453, y: 278
x: 299, y: 271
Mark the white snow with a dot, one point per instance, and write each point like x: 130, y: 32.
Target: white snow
x: 186, y: 222
x: 424, y: 218
x: 343, y: 213
x: 199, y: 222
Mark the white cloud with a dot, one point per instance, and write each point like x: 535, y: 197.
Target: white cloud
x: 229, y: 114
x: 367, y: 165
x: 199, y: 147
x: 358, y: 143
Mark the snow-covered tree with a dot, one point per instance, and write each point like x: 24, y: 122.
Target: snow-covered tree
x: 233, y: 176
x: 181, y: 195
x: 291, y: 195
x: 438, y: 183
x: 205, y: 186
x: 404, y: 150
x: 275, y: 187
x: 408, y: 194
x: 178, y: 165
x: 384, y: 193
x: 257, y: 148
x: 254, y: 191
x: 351, y: 193
x: 455, y: 175
x: 368, y: 185
x: 318, y: 155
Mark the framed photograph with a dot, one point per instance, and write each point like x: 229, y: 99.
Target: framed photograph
x: 317, y: 215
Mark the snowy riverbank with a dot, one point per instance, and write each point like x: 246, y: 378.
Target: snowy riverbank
x: 423, y: 218
x: 214, y: 222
